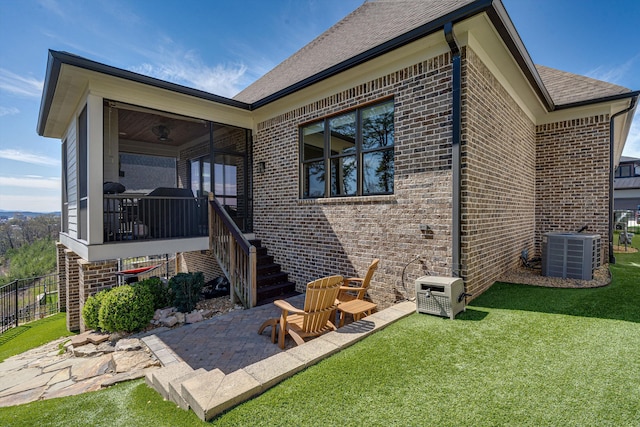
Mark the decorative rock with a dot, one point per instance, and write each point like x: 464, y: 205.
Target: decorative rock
x: 87, y: 350
x: 168, y: 321
x: 206, y: 313
x: 163, y: 312
x: 126, y: 361
x: 128, y: 344
x: 179, y: 316
x: 194, y: 317
x: 97, y: 338
x: 106, y: 347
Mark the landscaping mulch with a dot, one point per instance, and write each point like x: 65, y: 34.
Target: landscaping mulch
x: 532, y: 276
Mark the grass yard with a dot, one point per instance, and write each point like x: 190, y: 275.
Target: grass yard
x: 519, y: 355
x: 32, y: 334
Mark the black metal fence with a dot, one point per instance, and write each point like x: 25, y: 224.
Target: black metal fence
x: 154, y: 217
x: 24, y: 300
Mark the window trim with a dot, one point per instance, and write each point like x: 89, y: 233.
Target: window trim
x: 327, y: 157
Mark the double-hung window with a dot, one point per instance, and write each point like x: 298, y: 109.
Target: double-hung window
x: 355, y: 147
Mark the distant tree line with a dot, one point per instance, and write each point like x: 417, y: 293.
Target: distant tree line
x: 27, y: 247
x: 17, y: 232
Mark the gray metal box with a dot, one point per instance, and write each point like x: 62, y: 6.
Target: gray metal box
x: 442, y: 296
x: 570, y: 255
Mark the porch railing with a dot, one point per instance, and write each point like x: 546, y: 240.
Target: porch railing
x: 236, y: 256
x: 24, y: 300
x: 137, y: 217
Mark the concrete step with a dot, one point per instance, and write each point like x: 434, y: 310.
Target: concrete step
x: 214, y: 392
x: 175, y: 387
x: 160, y: 378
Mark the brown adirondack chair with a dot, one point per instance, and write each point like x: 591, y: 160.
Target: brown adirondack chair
x: 349, y: 292
x: 313, y: 320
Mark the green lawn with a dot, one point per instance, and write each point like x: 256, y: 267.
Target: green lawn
x: 32, y: 334
x: 519, y: 355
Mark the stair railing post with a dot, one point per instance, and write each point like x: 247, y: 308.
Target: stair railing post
x: 232, y: 267
x: 253, y: 257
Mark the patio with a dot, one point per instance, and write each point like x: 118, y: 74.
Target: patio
x: 221, y: 362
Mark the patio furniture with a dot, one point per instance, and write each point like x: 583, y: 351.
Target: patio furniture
x: 348, y: 292
x: 313, y: 320
x: 357, y: 308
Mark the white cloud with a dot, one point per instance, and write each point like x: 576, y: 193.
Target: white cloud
x: 186, y: 68
x: 30, y: 182
x: 613, y: 73
x: 52, y: 6
x: 42, y: 203
x: 19, y: 85
x: 8, y: 111
x: 35, y: 159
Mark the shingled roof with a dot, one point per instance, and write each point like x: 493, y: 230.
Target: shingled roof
x: 568, y: 88
x: 382, y: 22
x: 369, y: 26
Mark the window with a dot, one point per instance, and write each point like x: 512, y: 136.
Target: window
x: 355, y: 147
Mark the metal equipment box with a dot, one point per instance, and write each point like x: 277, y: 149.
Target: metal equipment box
x: 442, y: 296
x: 570, y: 255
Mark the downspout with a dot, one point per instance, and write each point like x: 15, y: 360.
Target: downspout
x: 612, y: 259
x: 456, y: 119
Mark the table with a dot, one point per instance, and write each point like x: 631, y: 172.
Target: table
x: 356, y: 308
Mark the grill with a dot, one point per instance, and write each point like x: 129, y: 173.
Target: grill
x: 441, y: 296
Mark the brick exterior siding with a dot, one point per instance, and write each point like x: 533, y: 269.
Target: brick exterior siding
x: 498, y: 178
x: 315, y: 238
x: 71, y: 284
x: 572, y: 178
x: 62, y: 276
x: 94, y: 277
x: 203, y: 261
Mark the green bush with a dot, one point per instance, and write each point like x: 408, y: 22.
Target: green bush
x: 159, y: 291
x: 126, y: 308
x: 91, y: 310
x: 186, y: 289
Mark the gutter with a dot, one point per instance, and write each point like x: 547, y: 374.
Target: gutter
x: 456, y: 157
x: 58, y: 58
x: 632, y: 105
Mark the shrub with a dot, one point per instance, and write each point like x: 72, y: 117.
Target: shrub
x: 186, y: 289
x: 159, y: 291
x: 126, y: 308
x: 91, y: 310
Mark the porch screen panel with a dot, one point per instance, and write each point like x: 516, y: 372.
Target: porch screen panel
x: 83, y: 179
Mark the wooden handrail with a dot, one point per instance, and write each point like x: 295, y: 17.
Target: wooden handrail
x: 235, y: 255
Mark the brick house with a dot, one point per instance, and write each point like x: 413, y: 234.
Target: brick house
x: 444, y: 142
x: 626, y: 186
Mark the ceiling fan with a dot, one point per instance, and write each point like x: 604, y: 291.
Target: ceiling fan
x: 162, y: 132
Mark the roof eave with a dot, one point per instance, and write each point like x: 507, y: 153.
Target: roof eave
x: 593, y: 101
x: 463, y: 13
x: 58, y: 58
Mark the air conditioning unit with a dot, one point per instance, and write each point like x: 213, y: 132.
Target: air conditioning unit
x: 442, y: 296
x: 570, y: 255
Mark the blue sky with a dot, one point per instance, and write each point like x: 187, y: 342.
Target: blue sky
x: 222, y: 46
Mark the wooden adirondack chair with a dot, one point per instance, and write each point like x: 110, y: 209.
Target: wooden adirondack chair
x: 348, y: 292
x: 314, y: 319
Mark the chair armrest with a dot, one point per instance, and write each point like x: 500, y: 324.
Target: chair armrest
x: 284, y: 305
x: 351, y: 288
x: 352, y: 279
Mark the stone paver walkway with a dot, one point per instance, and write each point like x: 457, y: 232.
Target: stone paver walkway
x: 228, y: 342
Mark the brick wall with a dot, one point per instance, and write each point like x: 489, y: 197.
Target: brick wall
x: 572, y: 181
x: 93, y: 277
x: 71, y: 283
x: 62, y: 276
x: 498, y: 178
x: 315, y: 238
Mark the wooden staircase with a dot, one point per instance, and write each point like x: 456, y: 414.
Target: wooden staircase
x: 271, y: 282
